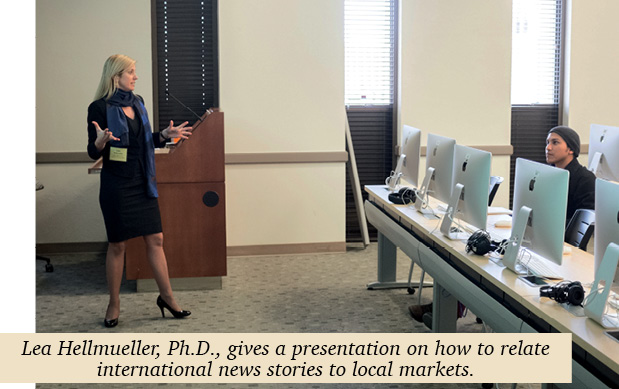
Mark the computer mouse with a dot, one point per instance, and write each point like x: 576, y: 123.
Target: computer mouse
x: 503, y: 223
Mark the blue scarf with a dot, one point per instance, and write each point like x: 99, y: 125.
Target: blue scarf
x: 117, y: 123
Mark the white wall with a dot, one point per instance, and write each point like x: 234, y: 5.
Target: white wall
x: 281, y: 90
x: 73, y: 40
x: 281, y: 64
x: 282, y: 75
x: 592, y: 78
x: 456, y: 73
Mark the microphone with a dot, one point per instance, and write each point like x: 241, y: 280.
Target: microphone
x: 167, y: 92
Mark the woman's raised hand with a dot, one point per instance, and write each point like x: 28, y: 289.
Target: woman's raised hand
x: 177, y: 132
x: 103, y: 136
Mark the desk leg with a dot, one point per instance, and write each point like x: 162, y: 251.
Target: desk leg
x: 387, y: 259
x: 444, y: 310
x: 387, y: 264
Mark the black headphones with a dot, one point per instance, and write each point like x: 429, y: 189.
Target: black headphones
x: 481, y: 244
x: 403, y: 196
x: 570, y: 292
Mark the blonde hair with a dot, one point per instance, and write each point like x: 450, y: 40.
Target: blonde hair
x: 114, y: 66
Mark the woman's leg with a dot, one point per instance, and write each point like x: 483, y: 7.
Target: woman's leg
x: 157, y: 260
x: 114, y: 263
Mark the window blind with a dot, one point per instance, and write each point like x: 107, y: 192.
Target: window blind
x: 536, y: 77
x: 185, y: 58
x: 370, y: 40
x: 369, y: 35
x: 536, y: 49
x: 372, y: 137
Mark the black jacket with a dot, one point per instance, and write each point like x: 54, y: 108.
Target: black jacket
x: 97, y: 111
x: 581, y: 190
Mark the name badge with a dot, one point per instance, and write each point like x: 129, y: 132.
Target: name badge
x: 118, y: 154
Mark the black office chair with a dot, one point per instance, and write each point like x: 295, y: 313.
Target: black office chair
x: 495, y: 181
x: 48, y: 265
x: 580, y: 228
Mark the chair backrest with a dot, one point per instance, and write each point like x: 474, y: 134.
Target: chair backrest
x: 580, y: 228
x: 495, y: 181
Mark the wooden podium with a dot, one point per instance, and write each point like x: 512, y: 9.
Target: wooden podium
x: 192, y: 201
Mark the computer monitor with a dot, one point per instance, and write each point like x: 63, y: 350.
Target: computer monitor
x: 540, y: 203
x: 410, y: 144
x: 469, y: 198
x: 603, y: 155
x: 606, y: 220
x: 606, y: 253
x: 438, y: 180
x: 408, y: 160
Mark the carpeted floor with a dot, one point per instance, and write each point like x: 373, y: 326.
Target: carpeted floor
x: 297, y: 293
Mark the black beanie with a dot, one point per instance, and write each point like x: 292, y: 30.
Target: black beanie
x: 570, y: 137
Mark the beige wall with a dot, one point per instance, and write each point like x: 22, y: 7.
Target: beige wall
x: 592, y: 78
x: 281, y: 90
x: 282, y: 75
x: 456, y: 73
x: 281, y: 66
x: 288, y: 203
x: 73, y: 40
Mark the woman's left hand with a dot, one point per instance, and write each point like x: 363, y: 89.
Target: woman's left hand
x: 177, y: 132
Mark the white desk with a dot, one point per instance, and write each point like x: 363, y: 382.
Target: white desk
x: 491, y: 291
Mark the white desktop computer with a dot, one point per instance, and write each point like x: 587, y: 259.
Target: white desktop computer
x: 469, y: 198
x: 606, y: 255
x: 539, y: 206
x: 410, y: 145
x: 408, y: 161
x: 438, y: 180
x: 603, y: 151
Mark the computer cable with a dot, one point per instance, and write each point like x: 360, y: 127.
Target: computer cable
x: 393, y: 176
x: 608, y: 306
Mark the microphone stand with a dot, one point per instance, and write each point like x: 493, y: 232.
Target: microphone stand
x: 167, y: 92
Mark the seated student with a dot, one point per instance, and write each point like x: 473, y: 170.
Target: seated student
x: 562, y: 150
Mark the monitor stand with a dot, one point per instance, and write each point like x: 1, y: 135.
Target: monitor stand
x: 421, y: 202
x: 595, y: 163
x: 596, y: 301
x: 394, y: 179
x: 450, y: 215
x: 510, y: 258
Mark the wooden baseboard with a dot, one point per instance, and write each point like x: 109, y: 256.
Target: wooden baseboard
x: 233, y: 251
x: 66, y: 248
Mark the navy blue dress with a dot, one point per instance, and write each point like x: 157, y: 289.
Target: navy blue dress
x: 127, y: 210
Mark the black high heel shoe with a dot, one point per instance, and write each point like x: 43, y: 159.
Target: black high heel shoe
x: 110, y: 323
x: 177, y: 314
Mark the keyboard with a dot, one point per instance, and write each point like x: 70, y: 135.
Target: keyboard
x: 536, y: 266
